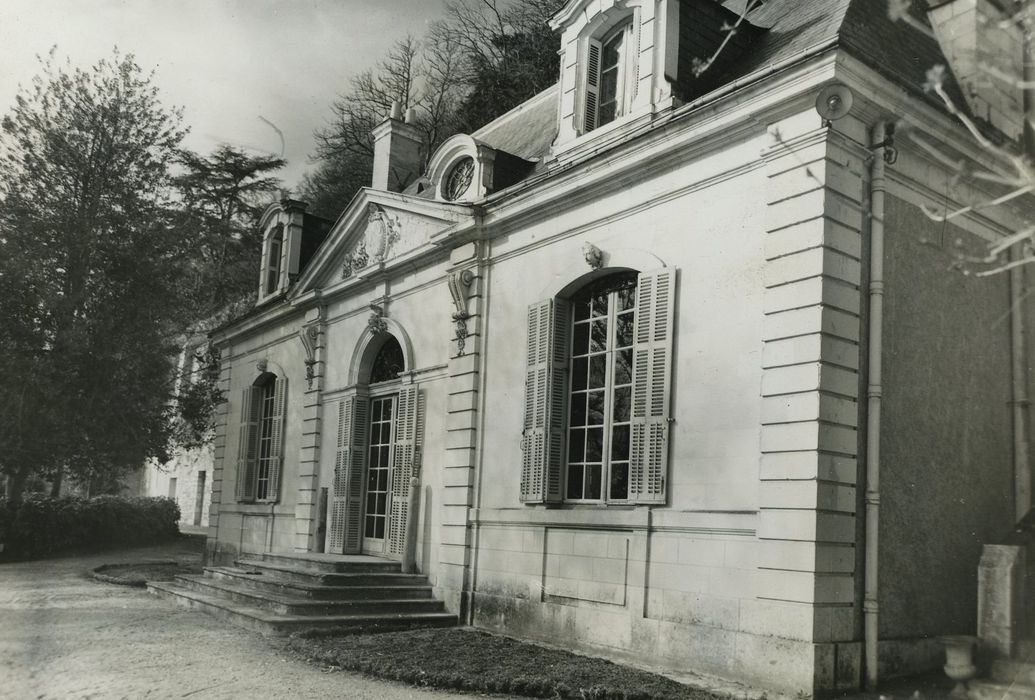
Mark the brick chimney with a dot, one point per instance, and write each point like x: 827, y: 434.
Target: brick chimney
x: 979, y: 44
x: 397, y: 151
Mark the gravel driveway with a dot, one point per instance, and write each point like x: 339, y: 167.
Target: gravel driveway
x: 64, y: 635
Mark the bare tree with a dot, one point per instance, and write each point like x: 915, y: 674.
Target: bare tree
x: 508, y: 53
x: 421, y: 77
x: 484, y: 58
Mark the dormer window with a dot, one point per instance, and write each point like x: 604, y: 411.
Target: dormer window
x: 290, y: 237
x: 618, y: 67
x: 464, y: 169
x: 274, y: 255
x: 608, y: 67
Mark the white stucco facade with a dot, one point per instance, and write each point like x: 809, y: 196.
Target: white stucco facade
x: 748, y: 563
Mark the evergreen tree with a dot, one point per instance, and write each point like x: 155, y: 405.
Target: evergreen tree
x: 89, y: 262
x: 223, y: 195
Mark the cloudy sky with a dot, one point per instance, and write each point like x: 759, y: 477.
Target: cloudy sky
x: 226, y: 62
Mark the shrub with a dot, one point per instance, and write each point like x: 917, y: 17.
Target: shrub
x: 40, y: 525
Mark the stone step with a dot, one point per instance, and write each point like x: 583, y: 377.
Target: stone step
x: 317, y: 591
x: 281, y: 572
x: 991, y: 690
x: 271, y: 623
x: 331, y: 563
x: 1013, y: 671
x: 294, y: 605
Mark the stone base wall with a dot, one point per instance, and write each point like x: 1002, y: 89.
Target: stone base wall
x: 787, y: 666
x: 249, y: 533
x: 682, y: 593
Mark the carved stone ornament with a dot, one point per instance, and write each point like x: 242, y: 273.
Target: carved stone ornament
x: 308, y: 335
x: 459, y: 286
x: 355, y: 259
x: 376, y: 245
x: 261, y: 365
x: 377, y: 319
x: 593, y: 255
x: 382, y: 233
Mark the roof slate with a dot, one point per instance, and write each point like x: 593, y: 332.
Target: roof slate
x: 528, y: 130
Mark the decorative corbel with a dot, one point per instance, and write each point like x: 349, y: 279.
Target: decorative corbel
x: 593, y: 255
x: 376, y: 322
x: 308, y: 335
x: 459, y: 286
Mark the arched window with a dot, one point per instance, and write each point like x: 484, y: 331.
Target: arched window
x: 388, y: 362
x: 600, y: 394
x: 597, y: 386
x: 260, y: 447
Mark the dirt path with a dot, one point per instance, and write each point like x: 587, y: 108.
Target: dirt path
x: 64, y: 635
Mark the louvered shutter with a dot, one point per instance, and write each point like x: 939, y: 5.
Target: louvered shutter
x: 407, y: 432
x: 545, y: 387
x: 589, y: 104
x: 339, y: 488
x: 652, y: 379
x: 355, y: 461
x: 277, y: 419
x: 248, y: 443
x: 633, y: 81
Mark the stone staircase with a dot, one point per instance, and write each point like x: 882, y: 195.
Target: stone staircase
x: 1011, y: 679
x: 278, y: 594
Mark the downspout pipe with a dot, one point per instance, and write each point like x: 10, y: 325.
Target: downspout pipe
x: 1018, y: 349
x: 871, y: 608
x: 1018, y: 377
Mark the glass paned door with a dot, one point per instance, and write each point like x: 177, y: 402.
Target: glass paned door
x: 379, y: 460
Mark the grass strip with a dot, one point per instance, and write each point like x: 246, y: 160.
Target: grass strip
x: 476, y: 661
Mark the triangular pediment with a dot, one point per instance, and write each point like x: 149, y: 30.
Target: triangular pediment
x: 377, y: 228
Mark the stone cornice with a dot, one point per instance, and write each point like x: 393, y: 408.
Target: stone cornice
x: 665, y: 143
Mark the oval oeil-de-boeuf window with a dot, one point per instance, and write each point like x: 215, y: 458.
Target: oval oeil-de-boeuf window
x: 459, y: 179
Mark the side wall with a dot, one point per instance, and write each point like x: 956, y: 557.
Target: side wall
x: 946, y: 451
x: 748, y: 571
x: 246, y: 528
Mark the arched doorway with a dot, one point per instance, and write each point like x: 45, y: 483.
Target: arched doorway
x: 383, y: 388
x: 377, y: 451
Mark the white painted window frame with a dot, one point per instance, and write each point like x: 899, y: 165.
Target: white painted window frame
x: 628, y: 24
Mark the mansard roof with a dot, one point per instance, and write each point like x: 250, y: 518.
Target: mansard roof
x: 528, y: 130
x: 773, y: 32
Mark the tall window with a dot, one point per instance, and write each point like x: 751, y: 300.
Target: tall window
x: 610, y: 75
x: 266, y: 421
x: 378, y: 466
x: 261, y: 438
x: 598, y: 380
x: 610, y: 70
x: 273, y: 261
x: 603, y: 319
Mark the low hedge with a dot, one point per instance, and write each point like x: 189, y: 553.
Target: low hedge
x: 39, y: 526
